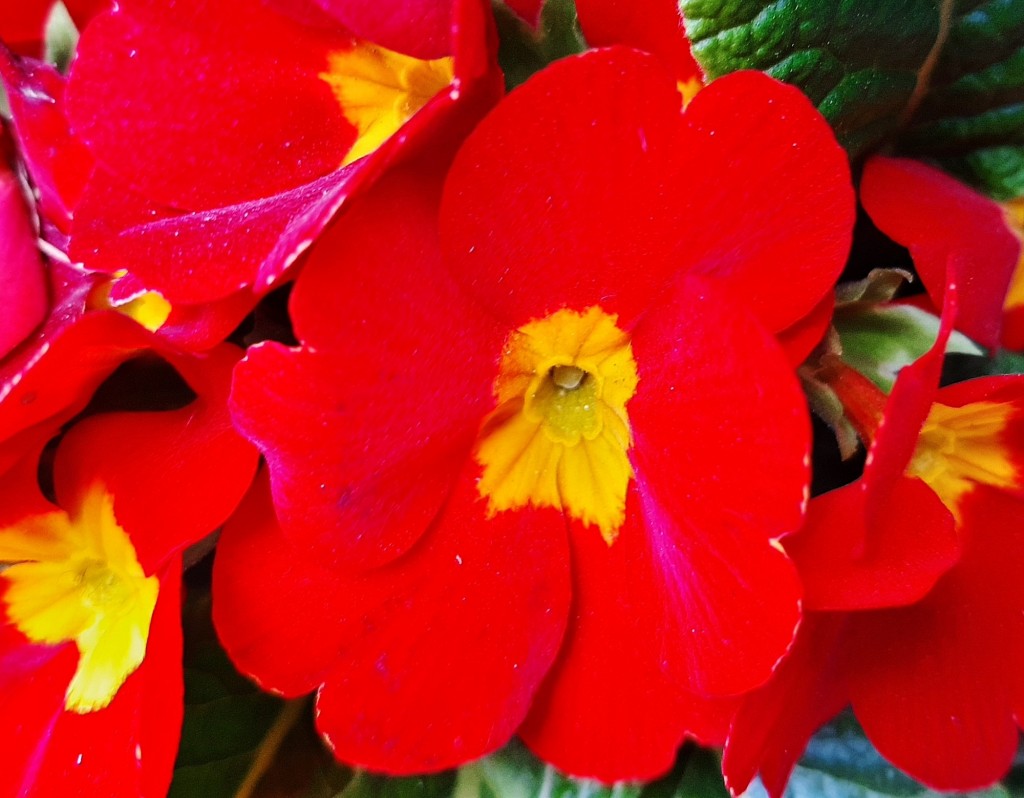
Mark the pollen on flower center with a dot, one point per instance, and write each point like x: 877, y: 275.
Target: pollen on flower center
x: 379, y: 90
x: 560, y: 433
x: 77, y: 578
x: 961, y: 447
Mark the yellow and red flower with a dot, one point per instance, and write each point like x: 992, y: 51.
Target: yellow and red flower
x: 915, y: 609
x: 90, y: 636
x: 228, y: 134
x: 507, y: 455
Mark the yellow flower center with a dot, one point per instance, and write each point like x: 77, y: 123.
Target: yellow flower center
x: 76, y: 577
x: 961, y: 447
x: 560, y: 434
x: 380, y: 90
x: 148, y: 308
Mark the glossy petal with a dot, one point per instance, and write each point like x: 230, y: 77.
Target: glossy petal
x: 435, y: 657
x: 528, y: 223
x: 650, y: 25
x: 421, y: 28
x: 775, y: 722
x: 947, y: 227
x: 848, y: 564
x: 52, y: 375
x: 22, y: 279
x: 175, y: 475
x: 57, y: 162
x: 133, y: 742
x: 201, y: 133
x: 704, y: 359
x: 32, y: 683
x: 360, y: 476
x: 615, y: 705
x: 937, y: 685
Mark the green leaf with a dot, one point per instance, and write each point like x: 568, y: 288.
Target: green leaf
x: 226, y: 718
x: 514, y: 772
x: 858, y: 60
x: 1008, y: 363
x: 61, y: 37
x: 971, y: 120
x: 523, y: 50
x: 879, y: 340
x: 366, y: 785
x: 698, y: 774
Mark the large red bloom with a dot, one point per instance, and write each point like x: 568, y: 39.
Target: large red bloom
x: 90, y: 637
x: 509, y: 455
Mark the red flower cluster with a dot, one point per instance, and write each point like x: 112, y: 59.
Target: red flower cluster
x: 537, y: 460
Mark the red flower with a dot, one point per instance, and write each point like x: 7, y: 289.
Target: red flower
x: 90, y: 637
x: 227, y: 134
x: 949, y: 229
x: 912, y: 579
x: 508, y: 457
x: 67, y: 328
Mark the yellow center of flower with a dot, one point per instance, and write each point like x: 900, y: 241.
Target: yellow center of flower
x: 961, y: 447
x: 76, y: 577
x: 560, y: 434
x: 148, y: 308
x: 379, y: 90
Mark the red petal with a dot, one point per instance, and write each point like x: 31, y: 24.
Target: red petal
x: 952, y: 232
x: 562, y: 191
x: 652, y: 25
x: 174, y: 475
x: 33, y: 680
x: 241, y: 115
x: 774, y: 723
x: 23, y: 293
x: 715, y: 395
x: 435, y: 657
x: 57, y: 162
x: 194, y: 257
x: 128, y: 747
x: 365, y: 427
x: 616, y: 706
x: 799, y: 339
x: 50, y: 377
x: 847, y: 563
x: 420, y: 28
x: 743, y: 186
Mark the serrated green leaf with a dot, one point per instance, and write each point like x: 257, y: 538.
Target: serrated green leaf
x: 972, y: 118
x: 523, y: 50
x: 858, y: 60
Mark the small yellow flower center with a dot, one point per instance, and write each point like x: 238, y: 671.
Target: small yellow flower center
x: 380, y: 90
x: 148, y: 308
x: 76, y: 577
x: 560, y: 434
x: 961, y: 447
